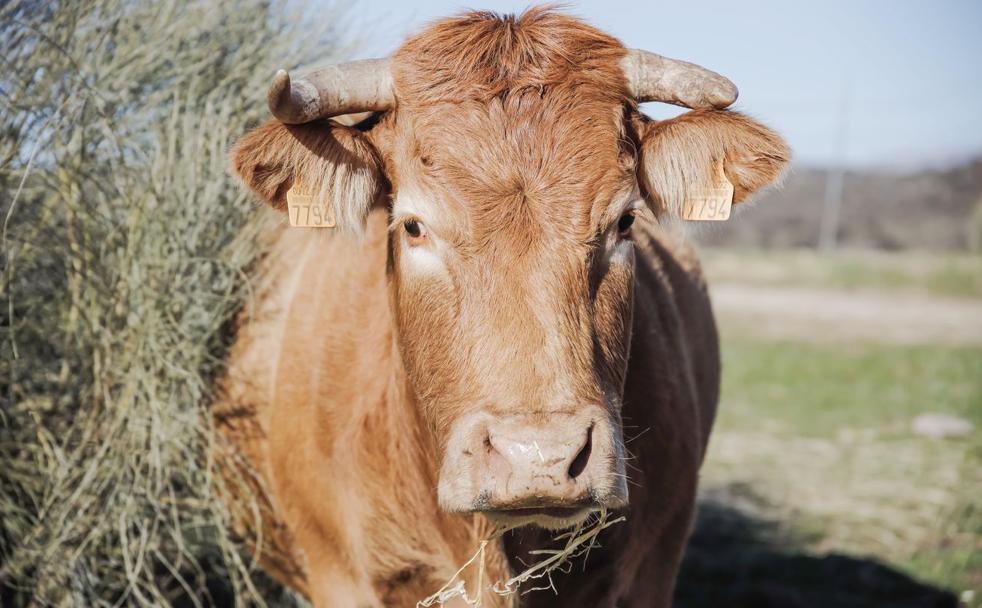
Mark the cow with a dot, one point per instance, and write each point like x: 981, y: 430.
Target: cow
x: 504, y: 326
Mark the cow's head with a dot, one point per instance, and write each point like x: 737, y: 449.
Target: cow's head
x: 513, y: 160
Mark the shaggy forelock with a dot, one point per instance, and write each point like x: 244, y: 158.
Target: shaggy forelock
x: 521, y: 120
x: 481, y: 55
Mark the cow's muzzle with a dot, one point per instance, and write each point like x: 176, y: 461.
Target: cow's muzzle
x: 549, y: 469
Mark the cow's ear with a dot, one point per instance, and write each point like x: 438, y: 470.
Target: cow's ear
x: 332, y: 162
x: 686, y: 154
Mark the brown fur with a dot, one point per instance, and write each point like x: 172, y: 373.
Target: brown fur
x: 517, y: 137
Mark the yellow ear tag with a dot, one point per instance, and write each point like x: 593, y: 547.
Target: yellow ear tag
x: 306, y: 211
x: 710, y: 204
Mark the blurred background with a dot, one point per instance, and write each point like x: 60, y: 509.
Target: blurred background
x: 846, y: 465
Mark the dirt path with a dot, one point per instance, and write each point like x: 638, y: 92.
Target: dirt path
x: 802, y: 313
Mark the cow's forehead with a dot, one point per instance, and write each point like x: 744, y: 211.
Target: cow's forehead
x: 548, y: 160
x: 483, y: 56
x: 519, y: 122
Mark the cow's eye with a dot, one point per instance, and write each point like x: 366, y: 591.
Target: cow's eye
x: 627, y: 220
x: 415, y: 230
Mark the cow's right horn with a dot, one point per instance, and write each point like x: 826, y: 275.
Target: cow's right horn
x: 345, y: 88
x: 651, y: 77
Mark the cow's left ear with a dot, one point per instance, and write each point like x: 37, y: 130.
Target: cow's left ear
x: 685, y: 154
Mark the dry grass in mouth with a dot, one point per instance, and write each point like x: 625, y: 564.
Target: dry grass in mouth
x: 579, y: 541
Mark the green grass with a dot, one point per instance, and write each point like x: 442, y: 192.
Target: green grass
x: 819, y: 390
x: 941, y: 274
x: 819, y: 436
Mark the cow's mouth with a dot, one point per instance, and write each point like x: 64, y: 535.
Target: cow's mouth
x: 552, y: 518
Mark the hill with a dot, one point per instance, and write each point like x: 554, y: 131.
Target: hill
x: 931, y: 209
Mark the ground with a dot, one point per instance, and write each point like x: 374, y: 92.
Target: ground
x: 816, y: 492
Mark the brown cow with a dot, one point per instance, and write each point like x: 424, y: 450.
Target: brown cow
x: 465, y: 349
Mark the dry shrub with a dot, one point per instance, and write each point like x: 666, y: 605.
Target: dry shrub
x: 124, y: 250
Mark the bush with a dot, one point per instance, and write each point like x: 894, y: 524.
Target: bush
x: 125, y: 247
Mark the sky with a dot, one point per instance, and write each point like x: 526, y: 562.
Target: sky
x: 868, y: 83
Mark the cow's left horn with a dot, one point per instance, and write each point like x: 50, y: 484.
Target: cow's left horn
x: 651, y: 77
x: 345, y: 88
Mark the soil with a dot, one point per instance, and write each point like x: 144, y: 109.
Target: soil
x: 828, y: 315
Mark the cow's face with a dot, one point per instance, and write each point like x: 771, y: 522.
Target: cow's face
x: 512, y: 267
x: 513, y: 191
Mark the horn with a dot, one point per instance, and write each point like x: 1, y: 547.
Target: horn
x: 345, y: 88
x: 651, y: 77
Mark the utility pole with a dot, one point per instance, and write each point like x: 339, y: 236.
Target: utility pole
x: 828, y: 235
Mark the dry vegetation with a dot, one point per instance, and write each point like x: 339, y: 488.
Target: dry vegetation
x: 124, y: 254
x: 124, y: 246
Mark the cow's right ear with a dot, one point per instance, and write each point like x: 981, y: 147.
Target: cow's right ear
x: 332, y: 162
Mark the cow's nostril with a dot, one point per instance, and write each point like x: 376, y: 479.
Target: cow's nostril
x: 578, y: 465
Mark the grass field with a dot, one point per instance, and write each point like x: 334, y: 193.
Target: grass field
x: 940, y: 274
x: 816, y: 491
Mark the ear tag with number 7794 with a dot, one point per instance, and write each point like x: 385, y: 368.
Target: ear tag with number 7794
x: 307, y: 210
x: 710, y: 204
